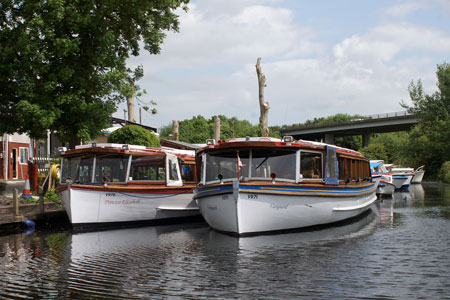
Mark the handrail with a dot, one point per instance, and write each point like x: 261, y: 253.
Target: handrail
x: 357, y: 120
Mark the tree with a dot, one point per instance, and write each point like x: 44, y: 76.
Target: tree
x: 198, y: 129
x: 263, y: 106
x: 134, y: 135
x: 63, y: 62
x: 429, y: 139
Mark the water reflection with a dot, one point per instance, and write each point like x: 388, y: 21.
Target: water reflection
x: 362, y: 225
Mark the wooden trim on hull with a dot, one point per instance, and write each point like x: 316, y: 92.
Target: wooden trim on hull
x: 131, y: 189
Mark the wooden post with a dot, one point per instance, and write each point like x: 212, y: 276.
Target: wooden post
x: 216, y: 128
x: 130, y: 102
x: 263, y: 106
x: 41, y: 200
x: 15, y: 202
x: 175, y: 128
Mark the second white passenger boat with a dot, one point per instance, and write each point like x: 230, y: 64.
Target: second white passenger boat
x: 256, y: 185
x: 110, y: 184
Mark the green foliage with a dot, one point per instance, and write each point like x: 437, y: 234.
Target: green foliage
x: 134, y: 135
x: 351, y: 142
x: 63, y: 63
x: 325, y: 121
x: 198, y: 129
x: 52, y: 196
x: 429, y: 139
x: 444, y: 173
x: 375, y: 151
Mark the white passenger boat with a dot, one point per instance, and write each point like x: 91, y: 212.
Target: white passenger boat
x: 113, y: 183
x: 255, y: 185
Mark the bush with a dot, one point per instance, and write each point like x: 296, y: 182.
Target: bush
x: 134, y: 135
x: 444, y: 173
x: 375, y: 151
x: 52, y: 196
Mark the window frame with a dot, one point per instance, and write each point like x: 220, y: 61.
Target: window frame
x: 301, y: 178
x: 21, y: 150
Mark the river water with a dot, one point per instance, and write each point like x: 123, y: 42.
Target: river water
x: 399, y: 250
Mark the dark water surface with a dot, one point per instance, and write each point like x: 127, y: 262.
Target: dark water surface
x: 400, y: 250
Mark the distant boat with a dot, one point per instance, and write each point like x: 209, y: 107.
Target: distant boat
x: 401, y: 180
x: 417, y: 173
x: 257, y: 185
x: 106, y: 184
x: 385, y: 182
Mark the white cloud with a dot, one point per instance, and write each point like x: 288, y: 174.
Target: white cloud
x: 209, y: 67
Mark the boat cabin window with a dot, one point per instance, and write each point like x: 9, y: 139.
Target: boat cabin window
x: 277, y: 161
x: 148, y: 168
x: 311, y: 164
x: 110, y: 167
x: 78, y: 169
x: 187, y: 172
x: 226, y: 164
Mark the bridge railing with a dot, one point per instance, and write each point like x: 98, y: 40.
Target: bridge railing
x: 390, y: 115
x: 356, y: 120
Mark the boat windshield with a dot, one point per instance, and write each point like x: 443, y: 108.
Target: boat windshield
x: 280, y: 162
x: 225, y: 164
x: 264, y: 162
x: 78, y: 169
x: 111, y: 168
x: 148, y: 168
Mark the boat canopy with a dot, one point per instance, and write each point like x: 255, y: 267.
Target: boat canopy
x: 375, y: 165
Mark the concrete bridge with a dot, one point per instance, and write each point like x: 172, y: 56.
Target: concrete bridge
x: 388, y: 122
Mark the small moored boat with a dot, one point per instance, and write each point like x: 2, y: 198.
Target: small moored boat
x: 112, y: 183
x: 255, y: 185
x: 383, y: 179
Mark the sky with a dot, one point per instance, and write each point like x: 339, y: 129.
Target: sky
x: 319, y: 57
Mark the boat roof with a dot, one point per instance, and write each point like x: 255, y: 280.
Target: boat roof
x: 375, y: 164
x: 249, y: 142
x: 124, y: 148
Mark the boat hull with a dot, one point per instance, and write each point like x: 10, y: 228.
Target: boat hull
x: 103, y: 206
x: 244, y: 209
x: 402, y: 181
x: 385, y: 188
x: 418, y: 176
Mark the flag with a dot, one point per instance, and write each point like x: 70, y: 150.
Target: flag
x: 239, y: 164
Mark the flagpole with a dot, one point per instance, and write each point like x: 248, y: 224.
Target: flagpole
x: 237, y: 163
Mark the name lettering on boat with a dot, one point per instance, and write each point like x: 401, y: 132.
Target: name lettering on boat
x: 123, y: 202
x: 252, y: 196
x: 279, y: 206
x: 110, y: 194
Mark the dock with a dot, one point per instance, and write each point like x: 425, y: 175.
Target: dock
x: 13, y: 214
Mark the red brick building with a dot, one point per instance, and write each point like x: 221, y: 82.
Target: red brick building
x: 14, y: 155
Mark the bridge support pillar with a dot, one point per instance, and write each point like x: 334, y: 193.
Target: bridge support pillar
x: 366, y: 139
x: 329, y: 138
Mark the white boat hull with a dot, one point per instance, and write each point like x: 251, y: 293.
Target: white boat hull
x: 385, y: 188
x: 84, y: 206
x: 402, y: 181
x: 242, y: 212
x: 418, y: 176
